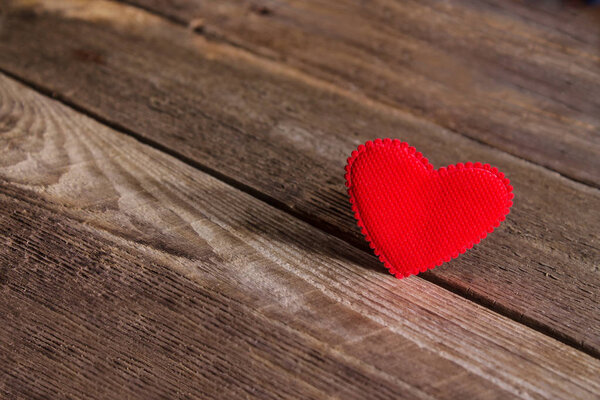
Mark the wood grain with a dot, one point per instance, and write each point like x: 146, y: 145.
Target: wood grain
x: 127, y: 273
x: 284, y: 137
x: 523, y: 80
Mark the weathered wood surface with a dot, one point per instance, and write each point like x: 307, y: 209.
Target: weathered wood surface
x: 127, y: 273
x: 526, y: 81
x: 284, y: 136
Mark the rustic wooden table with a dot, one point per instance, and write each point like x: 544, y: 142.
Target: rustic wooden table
x: 174, y: 222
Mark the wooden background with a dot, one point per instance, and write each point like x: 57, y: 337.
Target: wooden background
x: 174, y: 222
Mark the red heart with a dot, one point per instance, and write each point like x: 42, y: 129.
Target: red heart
x: 415, y: 217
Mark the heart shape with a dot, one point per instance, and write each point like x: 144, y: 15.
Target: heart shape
x: 416, y: 218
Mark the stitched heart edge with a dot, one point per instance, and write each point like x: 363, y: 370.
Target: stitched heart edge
x: 442, y: 171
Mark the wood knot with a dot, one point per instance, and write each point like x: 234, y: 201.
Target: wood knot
x: 196, y: 25
x: 261, y: 10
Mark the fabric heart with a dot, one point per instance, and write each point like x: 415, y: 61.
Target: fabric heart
x: 415, y: 217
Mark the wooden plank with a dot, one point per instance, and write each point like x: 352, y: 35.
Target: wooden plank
x: 284, y: 137
x: 127, y: 273
x: 525, y: 81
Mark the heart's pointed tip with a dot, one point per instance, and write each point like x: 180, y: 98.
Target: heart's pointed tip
x: 398, y: 274
x: 407, y: 271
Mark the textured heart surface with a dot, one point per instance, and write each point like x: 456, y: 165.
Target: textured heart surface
x: 416, y: 217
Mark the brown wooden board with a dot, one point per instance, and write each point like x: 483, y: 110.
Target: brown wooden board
x: 125, y: 273
x: 523, y: 80
x: 284, y: 137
